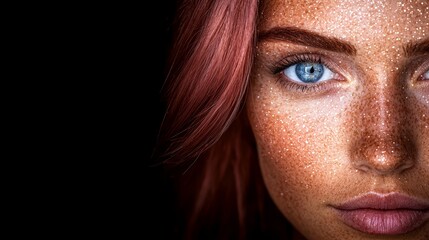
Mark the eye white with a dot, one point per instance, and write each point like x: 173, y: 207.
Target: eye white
x: 290, y: 73
x: 426, y: 75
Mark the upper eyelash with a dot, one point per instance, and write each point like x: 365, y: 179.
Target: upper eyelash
x: 289, y: 61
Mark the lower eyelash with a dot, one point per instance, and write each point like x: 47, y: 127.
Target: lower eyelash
x: 301, y: 87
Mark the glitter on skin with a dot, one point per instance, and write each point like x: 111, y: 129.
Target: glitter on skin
x: 367, y: 133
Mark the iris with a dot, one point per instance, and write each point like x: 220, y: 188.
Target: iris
x: 309, y: 72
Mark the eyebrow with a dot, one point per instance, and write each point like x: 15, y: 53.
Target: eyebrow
x: 312, y: 39
x: 307, y: 38
x: 417, y: 48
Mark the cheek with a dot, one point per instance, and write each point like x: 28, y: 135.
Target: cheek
x: 300, y: 147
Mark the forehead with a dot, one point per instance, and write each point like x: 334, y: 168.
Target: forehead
x: 350, y: 19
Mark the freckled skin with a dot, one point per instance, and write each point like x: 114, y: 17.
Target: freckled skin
x: 368, y: 133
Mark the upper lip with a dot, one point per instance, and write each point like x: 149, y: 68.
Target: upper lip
x: 377, y: 201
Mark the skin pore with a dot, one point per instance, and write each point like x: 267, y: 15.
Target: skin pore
x: 362, y: 128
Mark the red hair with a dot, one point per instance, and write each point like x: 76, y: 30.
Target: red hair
x: 210, y: 62
x: 205, y: 132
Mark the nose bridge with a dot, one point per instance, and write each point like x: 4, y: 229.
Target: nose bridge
x: 384, y: 144
x: 388, y: 110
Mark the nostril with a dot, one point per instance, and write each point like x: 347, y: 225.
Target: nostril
x: 361, y: 166
x: 382, y: 165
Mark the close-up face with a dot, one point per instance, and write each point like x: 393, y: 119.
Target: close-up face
x: 339, y: 106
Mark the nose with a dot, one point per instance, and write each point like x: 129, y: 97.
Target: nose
x: 383, y: 141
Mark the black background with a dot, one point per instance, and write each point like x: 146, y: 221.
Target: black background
x: 95, y: 71
x: 127, y: 197
x: 158, y: 202
x: 120, y: 193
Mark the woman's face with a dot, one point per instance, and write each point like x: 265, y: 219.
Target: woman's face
x: 339, y: 106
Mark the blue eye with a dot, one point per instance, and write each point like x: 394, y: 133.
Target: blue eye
x: 308, y: 72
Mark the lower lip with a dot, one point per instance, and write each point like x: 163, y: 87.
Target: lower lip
x: 388, y: 222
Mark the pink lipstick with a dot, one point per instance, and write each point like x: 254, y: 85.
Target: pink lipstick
x: 387, y: 214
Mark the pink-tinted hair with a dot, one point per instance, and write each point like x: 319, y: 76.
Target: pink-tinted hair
x: 205, y: 131
x: 210, y: 62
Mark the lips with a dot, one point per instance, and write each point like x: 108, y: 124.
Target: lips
x: 387, y: 214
